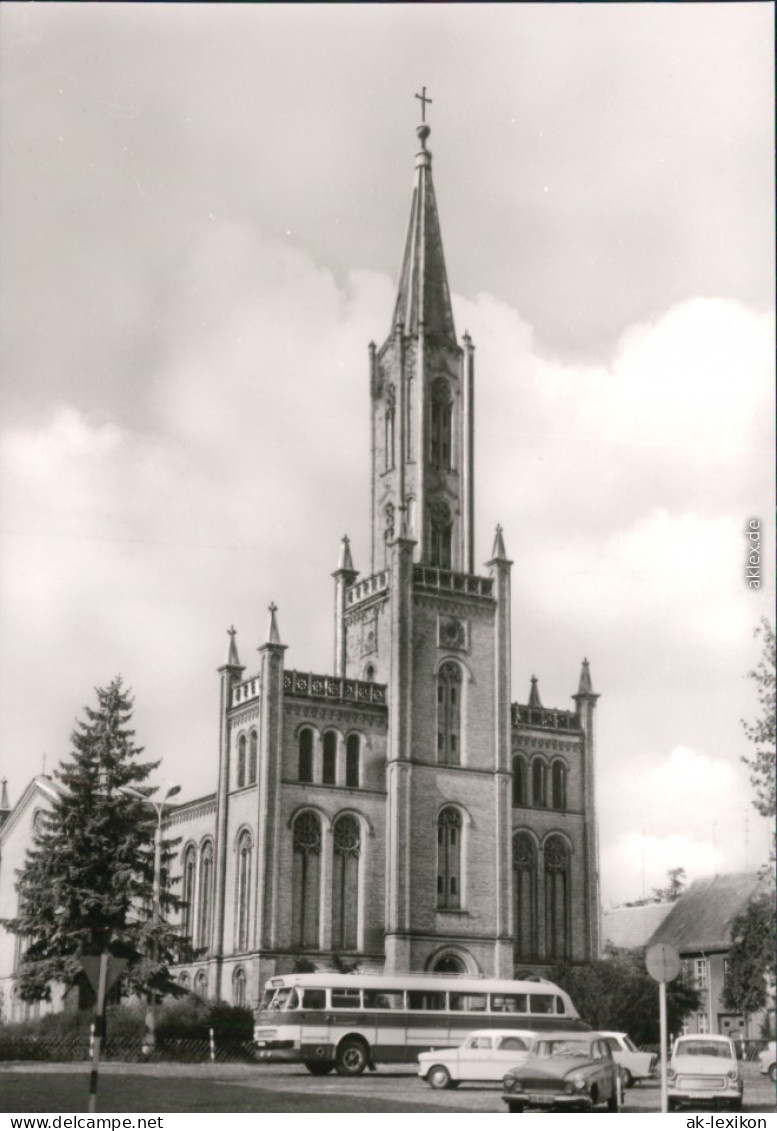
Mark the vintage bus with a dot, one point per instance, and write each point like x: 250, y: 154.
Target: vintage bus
x: 354, y: 1021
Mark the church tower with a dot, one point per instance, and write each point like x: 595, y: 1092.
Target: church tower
x: 421, y: 396
x: 435, y: 631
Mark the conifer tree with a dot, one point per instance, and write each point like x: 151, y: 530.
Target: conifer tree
x: 87, y: 882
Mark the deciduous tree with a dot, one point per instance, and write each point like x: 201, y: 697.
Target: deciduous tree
x: 751, y: 958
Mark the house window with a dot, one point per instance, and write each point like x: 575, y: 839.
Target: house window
x: 558, y: 787
x: 241, y: 761
x: 440, y: 425
x: 700, y: 974
x: 519, y: 781
x: 449, y: 715
x: 345, y: 883
x: 352, y: 758
x: 524, y: 897
x: 239, y: 987
x: 449, y: 858
x: 306, y: 755
x: 702, y: 1024
x: 188, y: 890
x: 206, y: 895
x: 557, y: 899
x: 441, y: 535
x: 539, y: 783
x: 306, y: 880
x: 253, y: 756
x: 244, y: 853
x: 330, y: 758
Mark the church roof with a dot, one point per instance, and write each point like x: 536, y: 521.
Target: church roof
x: 423, y: 296
x: 701, y: 918
x: 632, y: 926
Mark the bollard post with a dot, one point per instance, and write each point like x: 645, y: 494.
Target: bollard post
x: 212, y: 1045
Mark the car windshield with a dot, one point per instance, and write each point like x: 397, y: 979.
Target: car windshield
x: 704, y: 1048
x: 630, y: 1044
x: 561, y: 1048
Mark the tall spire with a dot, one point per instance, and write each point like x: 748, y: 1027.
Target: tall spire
x: 534, y: 694
x: 4, y: 804
x: 273, y: 636
x: 423, y: 298
x: 233, y: 660
x: 585, y: 687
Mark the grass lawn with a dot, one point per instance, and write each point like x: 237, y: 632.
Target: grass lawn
x: 69, y: 1092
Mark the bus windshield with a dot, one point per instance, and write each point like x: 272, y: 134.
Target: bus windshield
x: 282, y: 998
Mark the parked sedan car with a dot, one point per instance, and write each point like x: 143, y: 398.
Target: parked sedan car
x: 564, y: 1071
x: 704, y: 1068
x: 485, y: 1055
x: 767, y: 1060
x: 634, y: 1065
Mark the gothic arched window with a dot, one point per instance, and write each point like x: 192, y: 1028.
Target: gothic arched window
x: 244, y: 854
x: 188, y: 890
x: 389, y: 426
x: 253, y: 756
x: 441, y: 535
x: 557, y: 882
x: 524, y: 897
x: 306, y: 755
x: 201, y: 983
x: 440, y: 425
x: 449, y: 858
x: 539, y: 783
x: 306, y: 880
x: 345, y: 883
x: 241, y: 761
x: 558, y: 787
x: 352, y: 759
x: 449, y: 715
x: 239, y: 987
x: 329, y: 772
x: 184, y: 981
x: 519, y: 781
x: 205, y: 895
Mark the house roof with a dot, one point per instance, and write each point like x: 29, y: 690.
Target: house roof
x: 632, y: 926
x: 701, y: 918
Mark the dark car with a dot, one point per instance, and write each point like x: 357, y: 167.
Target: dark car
x: 564, y: 1071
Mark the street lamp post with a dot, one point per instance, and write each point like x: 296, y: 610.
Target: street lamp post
x: 149, y: 1040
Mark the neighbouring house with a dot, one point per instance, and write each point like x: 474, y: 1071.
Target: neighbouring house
x: 630, y: 927
x: 698, y: 925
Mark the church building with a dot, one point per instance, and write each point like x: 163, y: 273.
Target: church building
x: 399, y: 812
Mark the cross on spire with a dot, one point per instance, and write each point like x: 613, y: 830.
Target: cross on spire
x: 423, y: 100
x: 273, y: 608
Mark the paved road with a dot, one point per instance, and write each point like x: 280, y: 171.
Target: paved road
x: 390, y: 1086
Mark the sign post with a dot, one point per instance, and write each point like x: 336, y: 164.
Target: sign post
x: 663, y: 964
x: 102, y: 972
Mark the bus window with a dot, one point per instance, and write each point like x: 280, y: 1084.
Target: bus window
x: 468, y: 1003
x: 509, y: 1003
x: 283, y: 998
x: 560, y: 1007
x: 425, y: 999
x: 384, y: 999
x: 314, y: 999
x: 541, y: 1003
x: 346, y: 999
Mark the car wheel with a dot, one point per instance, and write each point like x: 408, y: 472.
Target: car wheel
x: 628, y: 1079
x: 514, y: 1106
x: 773, y: 1073
x: 736, y: 1105
x: 319, y: 1067
x: 351, y: 1057
x: 438, y: 1076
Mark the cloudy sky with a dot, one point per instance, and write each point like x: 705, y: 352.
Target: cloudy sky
x: 203, y: 210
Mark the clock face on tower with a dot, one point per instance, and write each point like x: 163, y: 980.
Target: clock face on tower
x: 452, y: 633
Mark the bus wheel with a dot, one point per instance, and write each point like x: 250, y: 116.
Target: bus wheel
x: 438, y: 1077
x: 319, y: 1067
x: 352, y: 1057
x: 514, y: 1106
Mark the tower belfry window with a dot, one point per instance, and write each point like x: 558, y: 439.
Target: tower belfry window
x: 449, y: 715
x: 449, y: 858
x: 389, y: 422
x: 441, y: 535
x: 440, y: 430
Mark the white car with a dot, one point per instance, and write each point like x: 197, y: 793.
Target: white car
x: 634, y: 1065
x: 486, y: 1054
x: 704, y: 1068
x: 767, y: 1061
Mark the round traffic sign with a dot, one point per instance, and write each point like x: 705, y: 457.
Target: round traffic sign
x: 663, y: 962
